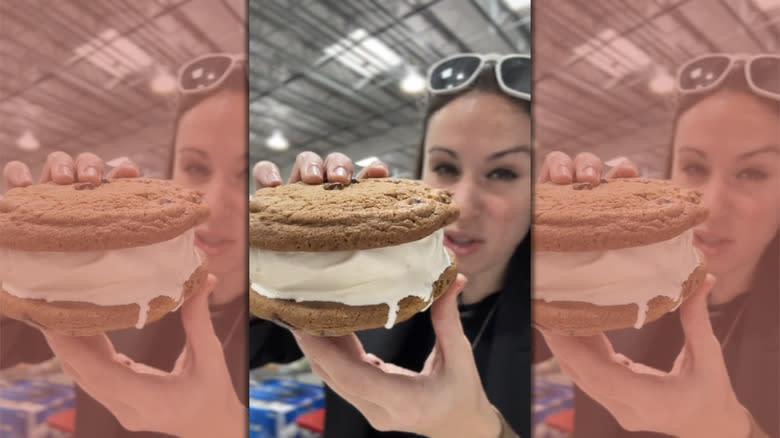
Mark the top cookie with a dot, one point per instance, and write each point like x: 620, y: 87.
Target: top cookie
x: 121, y: 213
x: 368, y: 214
x: 619, y: 213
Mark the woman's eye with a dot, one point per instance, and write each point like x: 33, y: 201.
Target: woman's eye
x: 197, y: 170
x: 445, y: 170
x: 503, y: 175
x: 752, y: 175
x: 694, y: 170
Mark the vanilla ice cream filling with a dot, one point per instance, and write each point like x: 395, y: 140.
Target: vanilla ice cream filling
x: 616, y: 277
x: 354, y: 278
x: 105, y: 278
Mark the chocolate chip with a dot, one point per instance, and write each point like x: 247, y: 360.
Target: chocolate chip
x: 604, y: 181
x: 354, y: 181
x: 333, y: 186
x: 582, y: 186
x: 84, y: 186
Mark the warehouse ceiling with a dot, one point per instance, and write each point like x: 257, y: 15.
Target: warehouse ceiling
x: 96, y: 75
x: 325, y: 75
x: 603, y: 68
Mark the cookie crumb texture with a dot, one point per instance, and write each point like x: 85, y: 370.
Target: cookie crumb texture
x: 372, y: 214
x: 624, y: 213
x: 122, y: 213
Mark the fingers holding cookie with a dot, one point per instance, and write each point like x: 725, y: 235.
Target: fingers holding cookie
x: 266, y: 174
x: 59, y: 168
x: 16, y: 174
x: 588, y: 168
x: 377, y: 169
x: 308, y: 168
x: 123, y: 169
x: 558, y: 168
x: 89, y: 168
x: 338, y: 168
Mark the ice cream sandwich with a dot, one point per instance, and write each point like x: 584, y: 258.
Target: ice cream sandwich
x: 332, y: 259
x: 613, y: 256
x: 85, y: 258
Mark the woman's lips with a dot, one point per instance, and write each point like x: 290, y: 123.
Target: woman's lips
x: 211, y: 243
x: 711, y: 244
x: 462, y: 244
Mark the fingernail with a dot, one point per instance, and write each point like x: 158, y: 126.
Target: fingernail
x: 589, y: 171
x: 564, y: 170
x: 66, y: 170
x: 276, y: 177
x: 340, y: 171
x: 315, y: 170
x: 91, y: 172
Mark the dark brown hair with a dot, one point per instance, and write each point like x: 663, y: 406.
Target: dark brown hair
x: 486, y: 83
x: 236, y: 81
x: 766, y: 271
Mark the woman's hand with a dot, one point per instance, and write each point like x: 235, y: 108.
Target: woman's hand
x: 61, y: 168
x: 559, y: 168
x: 194, y: 400
x: 695, y: 399
x: 311, y: 169
x: 445, y: 399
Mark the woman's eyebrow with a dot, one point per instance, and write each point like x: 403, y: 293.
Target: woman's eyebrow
x: 774, y: 149
x: 449, y: 152
x: 512, y: 150
x: 195, y: 150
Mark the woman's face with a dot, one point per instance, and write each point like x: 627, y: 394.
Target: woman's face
x: 210, y: 156
x: 478, y: 146
x: 728, y: 147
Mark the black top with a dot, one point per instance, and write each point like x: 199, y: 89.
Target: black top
x: 158, y: 344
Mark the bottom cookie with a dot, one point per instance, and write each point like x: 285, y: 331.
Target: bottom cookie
x: 585, y: 319
x: 87, y: 319
x: 335, y: 319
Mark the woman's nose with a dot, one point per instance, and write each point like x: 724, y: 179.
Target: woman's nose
x: 468, y: 199
x: 717, y: 196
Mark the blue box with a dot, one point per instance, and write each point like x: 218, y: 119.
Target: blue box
x: 274, y: 405
x: 27, y: 404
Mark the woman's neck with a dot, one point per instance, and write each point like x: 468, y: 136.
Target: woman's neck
x: 483, y: 284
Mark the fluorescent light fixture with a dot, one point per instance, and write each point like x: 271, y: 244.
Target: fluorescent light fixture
x: 413, y: 82
x: 114, y: 54
x: 616, y: 56
x: 662, y: 83
x: 518, y: 5
x: 277, y: 141
x: 365, y: 162
x: 365, y: 55
x: 28, y: 142
x: 163, y: 83
x: 767, y: 5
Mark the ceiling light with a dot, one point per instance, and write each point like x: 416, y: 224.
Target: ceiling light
x: 518, y: 5
x: 163, y: 83
x: 277, y: 141
x: 662, y: 83
x: 114, y: 54
x: 413, y: 82
x: 615, y: 55
x: 28, y: 142
x: 365, y: 162
x: 364, y: 54
x: 767, y: 5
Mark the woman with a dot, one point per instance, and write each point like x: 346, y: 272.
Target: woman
x: 198, y: 394
x: 475, y: 355
x: 723, y: 349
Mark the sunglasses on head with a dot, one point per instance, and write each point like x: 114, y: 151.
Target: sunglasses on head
x: 455, y: 73
x: 706, y: 73
x: 206, y: 73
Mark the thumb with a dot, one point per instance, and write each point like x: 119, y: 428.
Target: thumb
x: 446, y: 320
x: 202, y: 341
x: 700, y: 341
